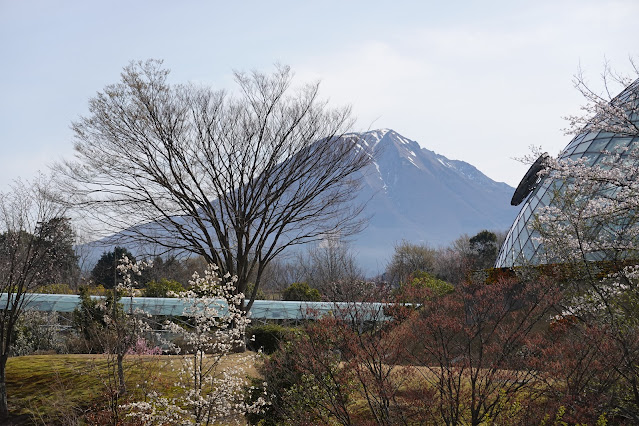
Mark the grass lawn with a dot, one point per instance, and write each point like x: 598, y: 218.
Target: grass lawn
x: 54, y: 388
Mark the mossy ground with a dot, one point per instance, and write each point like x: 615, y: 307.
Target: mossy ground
x: 56, y: 389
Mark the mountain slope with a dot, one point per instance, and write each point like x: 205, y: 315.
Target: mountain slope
x: 418, y: 195
x: 411, y: 193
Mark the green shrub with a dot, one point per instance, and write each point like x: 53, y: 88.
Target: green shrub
x: 421, y: 279
x: 162, y: 288
x: 301, y: 291
x: 268, y: 337
x: 259, y: 294
x: 95, y: 290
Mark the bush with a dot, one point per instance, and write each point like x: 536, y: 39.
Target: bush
x: 268, y: 337
x: 422, y: 284
x: 302, y: 292
x: 305, y: 381
x: 90, y: 319
x: 259, y: 294
x: 162, y: 288
x: 38, y: 332
x: 94, y: 290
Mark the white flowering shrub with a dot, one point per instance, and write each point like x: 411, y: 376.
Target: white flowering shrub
x: 125, y: 328
x: 37, y: 331
x: 590, y: 234
x: 211, y: 392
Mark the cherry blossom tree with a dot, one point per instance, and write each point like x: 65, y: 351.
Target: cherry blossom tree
x: 603, y: 109
x: 212, y: 393
x: 592, y: 228
x: 125, y: 328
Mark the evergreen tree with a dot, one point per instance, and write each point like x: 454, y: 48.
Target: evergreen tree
x: 105, y: 271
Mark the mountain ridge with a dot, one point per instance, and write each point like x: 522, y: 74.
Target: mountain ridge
x: 420, y: 196
x: 411, y: 193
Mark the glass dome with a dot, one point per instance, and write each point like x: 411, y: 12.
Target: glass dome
x: 521, y: 246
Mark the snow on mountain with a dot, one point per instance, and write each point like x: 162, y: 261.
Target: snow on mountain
x: 423, y: 197
x: 411, y: 194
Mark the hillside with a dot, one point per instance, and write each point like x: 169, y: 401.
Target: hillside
x: 423, y: 197
x: 411, y: 194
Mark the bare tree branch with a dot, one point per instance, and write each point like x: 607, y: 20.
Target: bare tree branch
x: 235, y: 179
x: 31, y: 226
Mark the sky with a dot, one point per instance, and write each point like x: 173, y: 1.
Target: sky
x: 478, y: 81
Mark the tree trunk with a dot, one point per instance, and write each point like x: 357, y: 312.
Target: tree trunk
x: 4, y: 409
x: 122, y: 385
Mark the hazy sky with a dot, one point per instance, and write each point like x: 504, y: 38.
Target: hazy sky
x: 478, y: 81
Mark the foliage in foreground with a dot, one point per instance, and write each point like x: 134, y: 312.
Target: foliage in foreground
x: 484, y: 354
x: 203, y: 387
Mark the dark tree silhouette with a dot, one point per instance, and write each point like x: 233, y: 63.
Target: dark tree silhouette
x: 235, y: 179
x: 105, y: 271
x: 484, y: 248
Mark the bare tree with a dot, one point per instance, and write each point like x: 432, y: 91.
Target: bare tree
x: 331, y: 267
x: 31, y: 227
x: 453, y: 263
x: 409, y: 258
x: 279, y: 275
x: 235, y: 179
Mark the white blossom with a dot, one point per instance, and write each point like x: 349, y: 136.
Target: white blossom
x: 212, y: 394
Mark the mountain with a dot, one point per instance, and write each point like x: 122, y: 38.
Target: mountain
x: 423, y: 197
x: 411, y: 194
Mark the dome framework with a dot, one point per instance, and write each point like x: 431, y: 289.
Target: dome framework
x: 592, y: 146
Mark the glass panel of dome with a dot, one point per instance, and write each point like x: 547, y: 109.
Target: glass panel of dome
x: 581, y: 148
x: 534, y: 200
x: 544, y: 186
x: 603, y: 134
x: 532, y: 205
x: 591, y: 157
x: 575, y: 142
x: 593, y: 256
x: 598, y: 145
x: 535, y: 259
x: 545, y: 199
x: 590, y: 141
x: 577, y: 139
x: 535, y: 241
x: 528, y: 250
x: 590, y: 136
x: 625, y: 159
x: 575, y: 157
x: 618, y: 144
